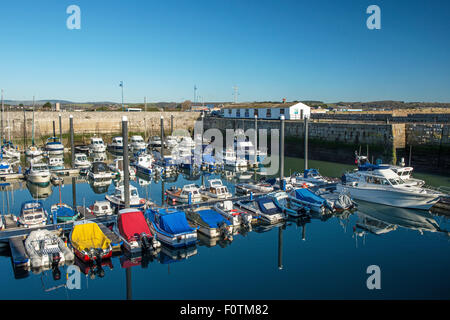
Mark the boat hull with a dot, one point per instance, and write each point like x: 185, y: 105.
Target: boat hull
x: 391, y: 197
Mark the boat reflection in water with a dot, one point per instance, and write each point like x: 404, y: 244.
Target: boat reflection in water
x: 94, y: 270
x: 211, y: 242
x: 39, y: 192
x: 380, y: 219
x: 100, y: 186
x: 170, y: 255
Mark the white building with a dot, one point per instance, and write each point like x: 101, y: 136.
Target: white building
x: 291, y: 111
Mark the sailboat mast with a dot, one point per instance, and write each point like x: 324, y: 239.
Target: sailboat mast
x: 2, y: 119
x: 32, y: 138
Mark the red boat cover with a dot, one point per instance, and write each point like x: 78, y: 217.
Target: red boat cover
x: 133, y: 223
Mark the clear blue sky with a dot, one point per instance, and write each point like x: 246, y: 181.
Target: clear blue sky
x: 301, y: 50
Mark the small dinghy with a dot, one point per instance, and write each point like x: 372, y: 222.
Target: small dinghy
x: 136, y: 234
x: 235, y: 215
x: 32, y: 214
x: 89, y: 242
x: 171, y: 227
x: 46, y: 249
x: 190, y: 193
x: 264, y: 208
x: 211, y: 223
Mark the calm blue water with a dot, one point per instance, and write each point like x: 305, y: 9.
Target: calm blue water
x: 330, y: 262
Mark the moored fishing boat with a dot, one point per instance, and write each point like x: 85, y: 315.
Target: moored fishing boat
x: 97, y: 145
x: 171, y: 227
x: 216, y: 190
x: 137, y: 144
x: 144, y: 164
x: 258, y: 187
x: 89, y: 242
x: 33, y: 151
x: 54, y: 146
x: 263, y: 208
x: 211, y: 223
x: 5, y: 168
x: 100, y: 171
x: 384, y: 186
x: 190, y: 193
x: 8, y: 150
x: 100, y: 208
x: 55, y: 163
x: 304, y: 197
x: 32, y: 214
x: 46, y: 249
x: 117, y: 199
x: 117, y: 166
x: 116, y: 145
x: 133, y: 228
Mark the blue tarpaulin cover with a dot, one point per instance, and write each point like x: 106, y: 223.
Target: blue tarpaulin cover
x: 65, y: 212
x: 212, y: 218
x: 174, y: 222
x: 309, y: 196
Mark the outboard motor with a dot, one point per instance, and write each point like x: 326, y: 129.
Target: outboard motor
x: 145, y: 242
x: 55, y: 259
x: 225, y: 231
x: 56, y: 273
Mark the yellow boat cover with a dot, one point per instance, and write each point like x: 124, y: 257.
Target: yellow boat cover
x: 89, y: 235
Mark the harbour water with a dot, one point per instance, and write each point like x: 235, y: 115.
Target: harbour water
x: 325, y: 258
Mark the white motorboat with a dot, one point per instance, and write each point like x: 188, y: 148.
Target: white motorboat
x: 54, y: 146
x: 5, y: 168
x: 264, y: 208
x: 81, y: 161
x: 117, y: 199
x: 384, y: 186
x: 116, y: 145
x: 405, y: 173
x: 258, y: 187
x: 46, y: 249
x: 144, y: 164
x: 233, y: 214
x: 38, y: 173
x: 100, y: 171
x: 55, y: 163
x: 33, y: 151
x: 216, y: 190
x: 137, y: 144
x: 9, y: 151
x: 154, y: 142
x: 171, y: 142
x: 186, y: 142
x: 100, y: 208
x: 190, y: 193
x: 97, y: 145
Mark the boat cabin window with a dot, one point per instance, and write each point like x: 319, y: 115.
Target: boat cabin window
x: 134, y: 192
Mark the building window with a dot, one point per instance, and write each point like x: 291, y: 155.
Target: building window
x: 268, y: 113
x: 282, y: 111
x: 229, y: 111
x: 238, y: 112
x: 247, y: 113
